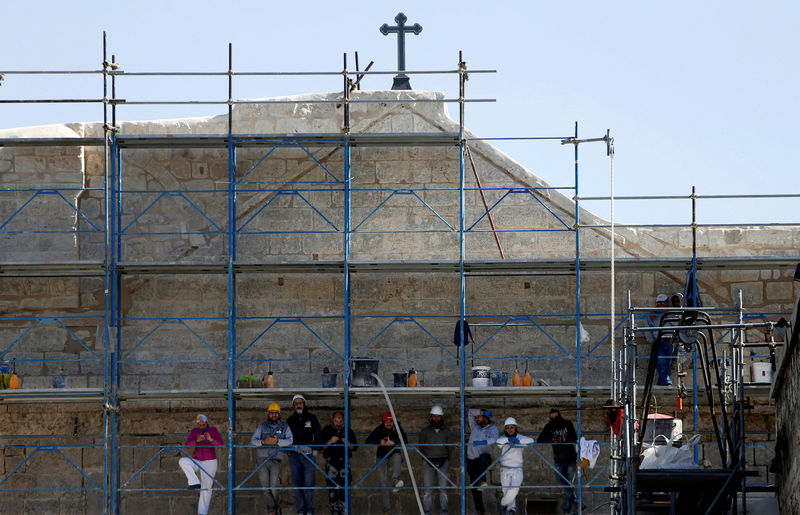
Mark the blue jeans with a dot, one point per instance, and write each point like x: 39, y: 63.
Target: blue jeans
x: 567, y: 470
x: 304, y: 474
x: 432, y: 477
x: 475, y: 468
x: 664, y: 362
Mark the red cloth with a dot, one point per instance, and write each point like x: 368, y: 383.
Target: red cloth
x: 614, y: 419
x: 205, y: 450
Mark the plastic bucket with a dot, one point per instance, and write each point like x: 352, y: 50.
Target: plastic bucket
x: 480, y: 376
x: 499, y: 378
x: 59, y: 381
x: 329, y: 380
x: 400, y: 379
x: 362, y: 370
x: 761, y: 372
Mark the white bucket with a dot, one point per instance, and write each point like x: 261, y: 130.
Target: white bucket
x: 481, y: 376
x: 761, y: 372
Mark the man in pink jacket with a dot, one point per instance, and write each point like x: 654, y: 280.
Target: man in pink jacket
x: 205, y: 439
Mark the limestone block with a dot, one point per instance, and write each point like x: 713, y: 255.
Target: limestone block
x: 752, y: 292
x: 779, y: 291
x: 402, y: 172
x: 49, y: 505
x: 27, y: 165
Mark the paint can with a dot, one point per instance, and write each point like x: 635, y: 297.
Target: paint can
x: 480, y: 376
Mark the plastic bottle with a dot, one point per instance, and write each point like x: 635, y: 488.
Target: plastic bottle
x: 527, y: 380
x: 13, y: 382
x: 270, y: 381
x: 516, y: 380
x: 412, y: 378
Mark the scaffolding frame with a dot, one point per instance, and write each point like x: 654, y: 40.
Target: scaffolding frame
x: 114, y: 268
x: 690, y: 329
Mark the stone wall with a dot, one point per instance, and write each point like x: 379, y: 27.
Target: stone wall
x: 174, y: 332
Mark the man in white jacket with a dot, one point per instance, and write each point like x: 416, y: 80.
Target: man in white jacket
x: 511, y: 445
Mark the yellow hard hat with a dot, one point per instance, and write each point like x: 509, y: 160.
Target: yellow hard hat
x: 274, y: 407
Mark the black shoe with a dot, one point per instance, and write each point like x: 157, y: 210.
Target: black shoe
x: 194, y: 487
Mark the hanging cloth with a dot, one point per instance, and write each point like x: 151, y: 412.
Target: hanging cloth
x: 457, y: 340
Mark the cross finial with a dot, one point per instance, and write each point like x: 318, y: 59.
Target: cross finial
x: 401, y: 80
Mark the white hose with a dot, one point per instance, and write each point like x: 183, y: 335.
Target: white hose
x: 402, y: 443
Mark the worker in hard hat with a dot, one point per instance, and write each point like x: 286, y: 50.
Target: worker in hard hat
x: 479, y: 453
x: 435, y: 439
x: 270, y: 436
x: 306, y: 436
x: 511, y: 445
x: 665, y: 350
x: 333, y: 441
x: 205, y: 439
x: 561, y: 433
x: 390, y: 460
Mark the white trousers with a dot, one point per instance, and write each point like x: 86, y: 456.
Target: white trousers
x: 510, y: 478
x: 191, y: 468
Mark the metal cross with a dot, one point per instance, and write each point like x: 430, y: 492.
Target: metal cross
x: 401, y: 80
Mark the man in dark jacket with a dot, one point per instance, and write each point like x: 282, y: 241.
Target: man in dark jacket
x: 334, y: 441
x: 435, y: 438
x: 561, y: 433
x: 307, y: 437
x: 386, y: 437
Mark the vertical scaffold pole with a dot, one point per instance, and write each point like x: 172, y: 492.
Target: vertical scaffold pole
x: 346, y: 279
x: 631, y: 462
x: 578, y: 471
x: 114, y: 216
x: 116, y: 285
x: 231, y: 293
x: 462, y: 69
x: 106, y: 280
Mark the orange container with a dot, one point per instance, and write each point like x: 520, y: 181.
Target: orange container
x: 517, y: 379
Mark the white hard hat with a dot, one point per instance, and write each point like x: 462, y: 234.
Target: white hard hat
x: 298, y: 396
x: 437, y: 410
x: 510, y: 421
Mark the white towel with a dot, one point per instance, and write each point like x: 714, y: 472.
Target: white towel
x: 590, y: 450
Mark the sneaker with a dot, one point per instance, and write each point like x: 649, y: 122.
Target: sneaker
x: 398, y: 484
x: 194, y: 487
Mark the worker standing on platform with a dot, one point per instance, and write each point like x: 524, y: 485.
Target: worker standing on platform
x: 561, y: 433
x: 205, y: 439
x: 511, y: 445
x: 479, y: 455
x: 270, y: 436
x: 387, y: 437
x: 334, y: 441
x: 307, y: 435
x: 435, y: 439
x: 665, y: 351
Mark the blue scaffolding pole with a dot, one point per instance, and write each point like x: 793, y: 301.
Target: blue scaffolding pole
x: 107, y: 299
x: 462, y: 304
x: 578, y: 471
x: 232, y: 184
x: 346, y: 279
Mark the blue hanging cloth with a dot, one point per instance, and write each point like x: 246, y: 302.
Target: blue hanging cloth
x: 457, y: 340
x: 691, y: 293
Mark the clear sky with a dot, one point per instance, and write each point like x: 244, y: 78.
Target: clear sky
x: 698, y: 94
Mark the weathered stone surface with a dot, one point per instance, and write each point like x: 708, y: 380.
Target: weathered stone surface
x: 172, y: 191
